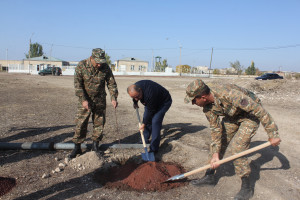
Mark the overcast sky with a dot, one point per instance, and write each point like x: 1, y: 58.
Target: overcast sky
x: 264, y: 31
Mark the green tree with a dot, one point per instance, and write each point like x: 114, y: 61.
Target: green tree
x: 216, y: 71
x: 183, y: 69
x: 36, y: 50
x: 237, y: 66
x: 108, y: 61
x: 251, y: 70
x: 158, y: 66
x: 164, y: 65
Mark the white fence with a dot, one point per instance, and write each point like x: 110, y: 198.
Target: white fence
x: 69, y: 71
x: 21, y: 68
x: 18, y: 68
x: 157, y: 74
x: 34, y: 69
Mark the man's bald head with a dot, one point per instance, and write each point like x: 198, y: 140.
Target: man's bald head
x: 135, y: 92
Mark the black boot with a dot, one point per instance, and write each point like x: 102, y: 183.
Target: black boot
x: 95, y: 146
x: 207, y: 180
x: 76, y: 151
x: 246, y: 191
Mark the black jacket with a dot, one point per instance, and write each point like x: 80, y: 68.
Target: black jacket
x: 154, y: 96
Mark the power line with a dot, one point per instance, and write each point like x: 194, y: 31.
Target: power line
x: 172, y: 48
x: 78, y: 47
x: 203, y: 49
x: 61, y: 45
x: 249, y: 49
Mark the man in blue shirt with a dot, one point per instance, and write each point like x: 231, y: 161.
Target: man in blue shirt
x: 157, y: 101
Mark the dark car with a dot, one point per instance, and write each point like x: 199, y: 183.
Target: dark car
x: 269, y: 76
x: 55, y: 71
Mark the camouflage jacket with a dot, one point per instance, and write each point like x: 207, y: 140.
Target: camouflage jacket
x: 89, y: 82
x: 236, y: 103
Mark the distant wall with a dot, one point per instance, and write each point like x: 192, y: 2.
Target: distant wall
x: 156, y: 74
x: 68, y: 72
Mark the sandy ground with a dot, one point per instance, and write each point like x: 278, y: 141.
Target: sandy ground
x: 42, y: 109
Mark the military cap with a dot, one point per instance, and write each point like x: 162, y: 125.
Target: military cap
x: 194, y: 89
x: 99, y: 55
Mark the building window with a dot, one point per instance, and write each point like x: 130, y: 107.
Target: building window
x: 140, y: 68
x: 132, y: 67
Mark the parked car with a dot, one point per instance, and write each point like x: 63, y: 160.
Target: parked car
x: 269, y: 76
x: 55, y: 71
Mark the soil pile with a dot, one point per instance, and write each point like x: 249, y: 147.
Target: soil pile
x: 89, y: 160
x: 6, y: 184
x: 145, y: 177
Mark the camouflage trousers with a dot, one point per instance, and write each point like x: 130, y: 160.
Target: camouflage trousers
x: 239, y: 134
x: 82, y: 119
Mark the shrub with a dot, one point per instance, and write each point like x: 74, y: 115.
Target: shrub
x: 297, y: 76
x: 288, y: 76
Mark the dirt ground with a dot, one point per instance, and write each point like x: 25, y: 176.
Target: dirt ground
x: 42, y: 109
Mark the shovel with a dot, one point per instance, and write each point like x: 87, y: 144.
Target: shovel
x: 147, y: 156
x: 181, y: 176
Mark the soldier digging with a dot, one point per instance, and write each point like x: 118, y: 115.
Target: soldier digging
x: 234, y: 114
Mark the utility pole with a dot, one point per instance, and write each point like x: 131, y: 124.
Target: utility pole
x: 29, y: 52
x: 7, y: 59
x: 180, y: 60
x: 180, y: 67
x: 29, y: 55
x: 51, y: 54
x: 152, y: 61
x: 212, y: 50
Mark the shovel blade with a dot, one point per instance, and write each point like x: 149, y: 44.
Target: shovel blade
x: 173, y: 178
x: 148, y: 156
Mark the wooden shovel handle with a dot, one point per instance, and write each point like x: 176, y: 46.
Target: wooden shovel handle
x: 235, y: 156
x: 143, y: 138
x: 142, y: 134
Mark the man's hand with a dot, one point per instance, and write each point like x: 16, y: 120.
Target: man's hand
x: 275, y: 141
x: 85, y: 104
x: 114, y: 103
x: 142, y: 127
x: 213, y: 161
x: 135, y: 105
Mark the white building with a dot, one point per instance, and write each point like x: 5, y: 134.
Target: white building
x: 131, y: 65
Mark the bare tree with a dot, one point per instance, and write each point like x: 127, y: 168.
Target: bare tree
x: 237, y: 66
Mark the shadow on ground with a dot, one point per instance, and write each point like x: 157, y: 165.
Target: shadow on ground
x: 11, y: 156
x: 175, y: 131
x: 266, y: 155
x: 30, y: 132
x: 65, y: 190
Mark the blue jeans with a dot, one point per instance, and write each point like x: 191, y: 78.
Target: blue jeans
x: 155, y: 126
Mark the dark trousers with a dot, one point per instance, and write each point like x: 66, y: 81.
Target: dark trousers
x: 154, y: 128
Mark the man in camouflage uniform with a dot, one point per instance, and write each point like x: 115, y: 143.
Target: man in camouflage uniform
x: 90, y: 77
x: 241, y: 113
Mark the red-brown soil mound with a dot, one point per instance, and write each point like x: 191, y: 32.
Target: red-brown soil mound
x: 148, y: 176
x: 6, y: 184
